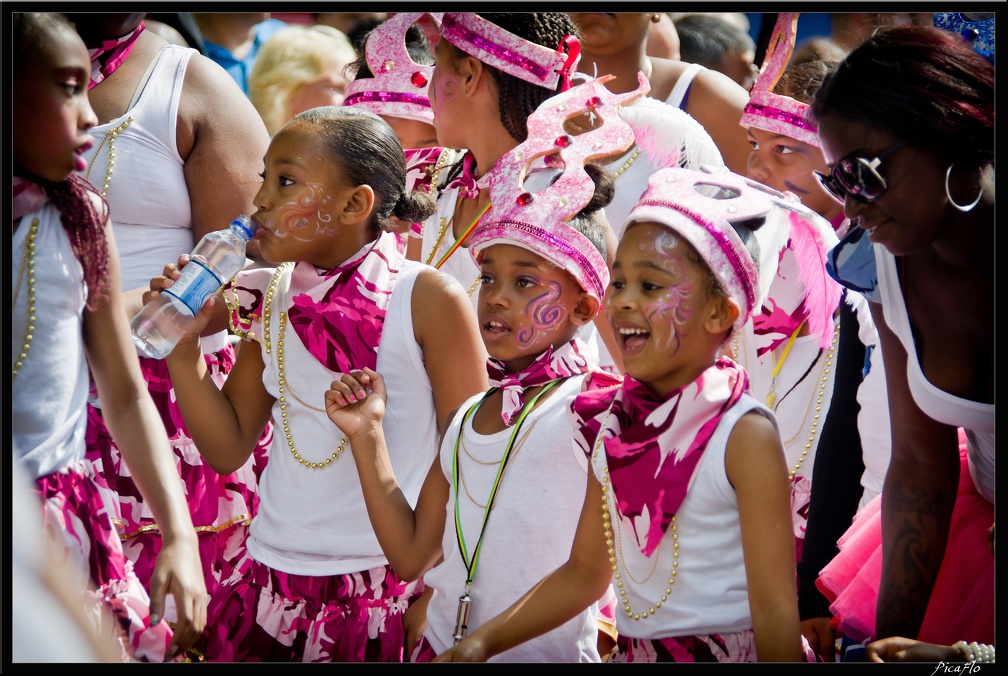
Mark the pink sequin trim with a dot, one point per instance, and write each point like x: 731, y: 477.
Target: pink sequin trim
x: 510, y: 53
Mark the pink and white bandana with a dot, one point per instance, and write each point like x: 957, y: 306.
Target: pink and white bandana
x: 338, y: 314
x: 28, y: 196
x: 110, y: 54
x: 567, y: 360
x: 654, y: 444
x: 469, y: 183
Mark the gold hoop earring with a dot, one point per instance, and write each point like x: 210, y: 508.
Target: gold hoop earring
x: 959, y: 207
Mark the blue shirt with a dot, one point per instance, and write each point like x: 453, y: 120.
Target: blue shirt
x: 239, y: 69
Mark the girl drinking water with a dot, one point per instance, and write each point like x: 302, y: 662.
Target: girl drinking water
x: 507, y: 459
x: 315, y: 584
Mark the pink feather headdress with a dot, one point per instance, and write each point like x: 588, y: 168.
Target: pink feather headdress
x: 536, y: 221
x: 509, y: 53
x: 399, y: 84
x: 774, y: 112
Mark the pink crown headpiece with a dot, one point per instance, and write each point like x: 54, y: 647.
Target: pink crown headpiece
x: 775, y: 112
x: 702, y: 205
x: 537, y: 221
x: 399, y: 84
x: 509, y: 53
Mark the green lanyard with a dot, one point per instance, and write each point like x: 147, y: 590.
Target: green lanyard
x: 471, y: 563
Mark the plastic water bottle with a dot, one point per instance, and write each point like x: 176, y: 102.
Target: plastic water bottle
x: 162, y: 322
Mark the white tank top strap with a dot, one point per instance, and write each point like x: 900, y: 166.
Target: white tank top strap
x: 682, y: 85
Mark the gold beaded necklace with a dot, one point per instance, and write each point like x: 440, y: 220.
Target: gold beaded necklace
x: 615, y: 560
x: 284, y: 385
x: 110, y: 136
x: 824, y: 372
x: 27, y: 262
x: 626, y: 165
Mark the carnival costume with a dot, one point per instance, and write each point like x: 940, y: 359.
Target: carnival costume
x: 827, y: 387
x: 661, y: 460
x: 49, y: 398
x: 457, y: 171
x: 522, y: 489
x: 314, y: 585
x: 138, y: 168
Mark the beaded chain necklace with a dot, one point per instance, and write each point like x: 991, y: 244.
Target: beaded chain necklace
x: 615, y: 560
x: 442, y: 228
x: 110, y: 137
x: 27, y: 262
x: 824, y: 371
x: 282, y: 378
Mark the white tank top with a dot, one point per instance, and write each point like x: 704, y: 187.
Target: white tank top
x: 49, y: 392
x: 147, y: 192
x: 710, y: 594
x: 529, y: 532
x: 314, y: 522
x: 975, y: 417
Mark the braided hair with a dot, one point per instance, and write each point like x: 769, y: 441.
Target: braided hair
x: 517, y: 98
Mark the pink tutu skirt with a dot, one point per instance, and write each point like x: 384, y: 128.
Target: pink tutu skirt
x: 221, y: 506
x: 962, y: 603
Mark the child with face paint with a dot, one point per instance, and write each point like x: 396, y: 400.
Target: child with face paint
x: 391, y: 79
x: 314, y: 584
x: 500, y: 506
x: 686, y: 509
x: 68, y: 321
x: 811, y: 345
x: 491, y: 71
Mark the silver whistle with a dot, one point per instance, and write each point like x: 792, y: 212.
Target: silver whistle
x: 462, y: 618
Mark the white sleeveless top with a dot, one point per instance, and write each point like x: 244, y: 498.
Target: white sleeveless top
x: 529, y: 532
x: 977, y: 418
x: 682, y: 85
x: 147, y: 191
x: 314, y: 522
x: 49, y: 392
x: 711, y: 591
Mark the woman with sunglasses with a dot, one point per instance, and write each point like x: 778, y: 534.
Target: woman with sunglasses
x: 906, y: 122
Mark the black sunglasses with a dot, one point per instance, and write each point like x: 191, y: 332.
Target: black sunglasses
x: 857, y: 177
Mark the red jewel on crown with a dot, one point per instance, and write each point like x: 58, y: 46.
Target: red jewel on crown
x: 418, y: 79
x: 563, y: 141
x: 524, y: 199
x: 593, y: 101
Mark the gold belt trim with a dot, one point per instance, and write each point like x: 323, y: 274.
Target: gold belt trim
x: 244, y: 519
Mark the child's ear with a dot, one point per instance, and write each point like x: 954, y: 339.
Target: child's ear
x: 471, y: 73
x: 585, y: 311
x: 723, y: 314
x: 357, y: 205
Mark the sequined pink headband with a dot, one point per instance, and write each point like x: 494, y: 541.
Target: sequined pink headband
x: 700, y: 206
x: 399, y: 84
x: 772, y: 112
x: 537, y: 221
x: 509, y: 53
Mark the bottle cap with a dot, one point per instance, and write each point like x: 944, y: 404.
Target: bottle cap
x: 244, y: 226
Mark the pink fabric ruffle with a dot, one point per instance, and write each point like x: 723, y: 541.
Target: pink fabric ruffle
x: 962, y: 602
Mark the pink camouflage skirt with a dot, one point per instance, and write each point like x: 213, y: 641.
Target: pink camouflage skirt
x: 76, y: 517
x: 264, y: 615
x: 221, y: 506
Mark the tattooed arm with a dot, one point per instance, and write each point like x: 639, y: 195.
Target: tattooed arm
x: 917, y: 499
